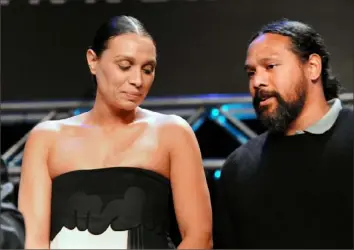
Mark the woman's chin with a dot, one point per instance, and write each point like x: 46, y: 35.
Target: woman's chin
x: 127, y: 105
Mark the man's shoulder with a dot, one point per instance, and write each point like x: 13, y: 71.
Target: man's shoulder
x: 246, y: 154
x: 346, y: 114
x: 253, y: 146
x: 345, y: 121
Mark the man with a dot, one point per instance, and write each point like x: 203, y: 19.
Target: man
x: 291, y: 187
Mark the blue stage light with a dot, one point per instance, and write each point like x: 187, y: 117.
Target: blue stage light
x: 198, y: 123
x: 215, y: 113
x: 217, y: 174
x: 221, y: 119
x: 77, y: 112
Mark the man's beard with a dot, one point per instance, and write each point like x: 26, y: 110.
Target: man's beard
x: 285, y: 112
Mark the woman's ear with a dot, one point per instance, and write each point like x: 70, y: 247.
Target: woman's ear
x: 92, y: 59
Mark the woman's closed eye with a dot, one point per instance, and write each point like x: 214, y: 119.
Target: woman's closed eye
x: 124, y: 65
x: 149, y: 69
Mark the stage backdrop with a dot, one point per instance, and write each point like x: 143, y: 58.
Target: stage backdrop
x: 201, y: 43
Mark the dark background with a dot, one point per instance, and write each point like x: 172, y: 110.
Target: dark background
x: 201, y: 49
x: 201, y: 43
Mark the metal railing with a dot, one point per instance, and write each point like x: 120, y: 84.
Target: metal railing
x: 152, y: 102
x: 192, y: 108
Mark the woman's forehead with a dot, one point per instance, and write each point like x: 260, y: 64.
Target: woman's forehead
x: 132, y: 44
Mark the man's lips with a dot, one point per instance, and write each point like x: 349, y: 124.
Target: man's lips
x: 265, y: 101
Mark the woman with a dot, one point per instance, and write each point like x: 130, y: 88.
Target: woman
x: 102, y: 179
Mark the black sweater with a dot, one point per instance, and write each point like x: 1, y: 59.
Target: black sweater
x: 289, y: 191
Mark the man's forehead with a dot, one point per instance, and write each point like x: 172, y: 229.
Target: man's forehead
x: 269, y: 47
x: 271, y: 38
x: 274, y: 46
x: 268, y: 53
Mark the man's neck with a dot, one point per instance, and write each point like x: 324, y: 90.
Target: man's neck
x: 312, y: 112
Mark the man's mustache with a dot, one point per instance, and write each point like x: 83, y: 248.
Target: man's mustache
x: 262, y: 94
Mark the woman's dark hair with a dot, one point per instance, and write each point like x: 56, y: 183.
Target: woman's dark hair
x: 115, y: 26
x: 305, y: 41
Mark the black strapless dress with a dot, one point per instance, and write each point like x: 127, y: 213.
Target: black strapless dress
x: 110, y: 208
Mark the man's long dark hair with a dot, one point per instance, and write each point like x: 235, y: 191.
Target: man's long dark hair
x: 305, y: 41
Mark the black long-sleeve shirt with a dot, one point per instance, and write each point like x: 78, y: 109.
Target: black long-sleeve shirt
x: 289, y: 191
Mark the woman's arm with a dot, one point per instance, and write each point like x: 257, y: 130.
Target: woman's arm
x: 34, y: 197
x: 190, y: 190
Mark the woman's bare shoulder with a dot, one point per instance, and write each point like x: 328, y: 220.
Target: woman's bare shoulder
x: 170, y: 126
x: 162, y: 120
x: 55, y: 126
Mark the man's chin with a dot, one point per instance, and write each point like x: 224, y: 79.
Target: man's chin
x: 272, y: 121
x: 266, y: 113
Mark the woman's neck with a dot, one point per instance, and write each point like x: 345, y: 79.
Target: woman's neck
x: 103, y: 115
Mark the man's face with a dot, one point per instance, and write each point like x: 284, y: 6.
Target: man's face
x: 277, y: 81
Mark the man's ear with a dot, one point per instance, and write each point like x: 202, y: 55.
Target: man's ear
x: 314, y: 67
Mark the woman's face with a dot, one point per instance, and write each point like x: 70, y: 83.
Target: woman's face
x: 125, y: 71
